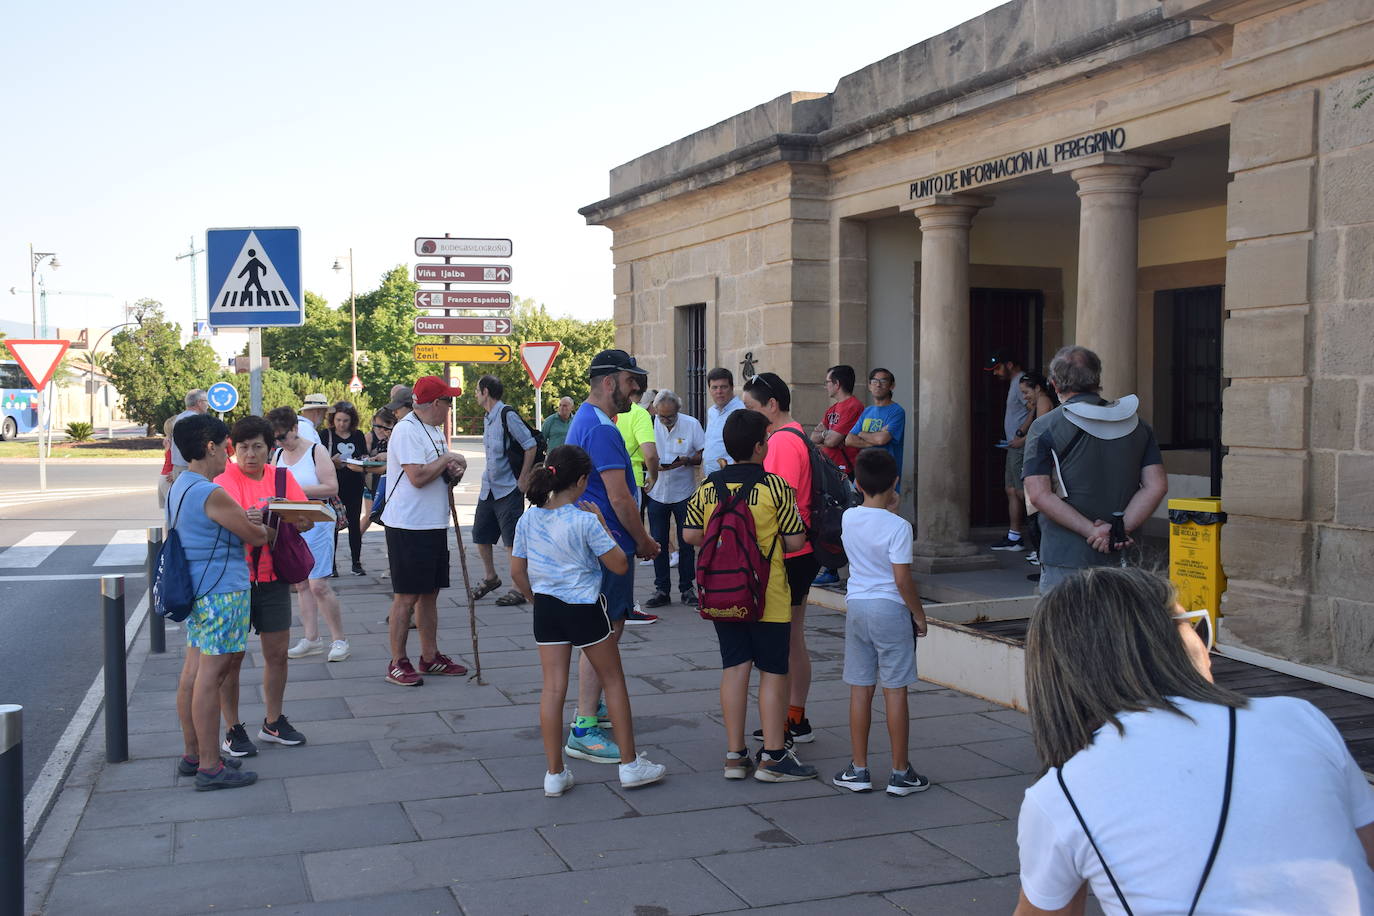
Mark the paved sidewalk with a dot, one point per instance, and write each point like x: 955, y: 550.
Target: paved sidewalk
x: 428, y: 800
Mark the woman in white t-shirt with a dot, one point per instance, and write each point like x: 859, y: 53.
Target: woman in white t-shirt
x: 1166, y: 793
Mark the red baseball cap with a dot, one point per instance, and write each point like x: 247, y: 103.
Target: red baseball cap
x: 430, y: 388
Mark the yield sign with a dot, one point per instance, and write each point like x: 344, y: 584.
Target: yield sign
x: 38, y: 358
x: 537, y: 357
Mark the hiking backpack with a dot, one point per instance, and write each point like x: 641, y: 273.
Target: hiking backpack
x: 732, y: 571
x: 831, y: 494
x: 515, y: 455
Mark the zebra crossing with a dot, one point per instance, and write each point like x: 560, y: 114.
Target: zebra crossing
x: 120, y: 548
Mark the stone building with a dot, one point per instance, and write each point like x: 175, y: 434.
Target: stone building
x: 1185, y: 186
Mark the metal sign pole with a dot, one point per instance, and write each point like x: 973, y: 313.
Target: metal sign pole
x: 42, y: 446
x: 255, y: 371
x: 539, y: 407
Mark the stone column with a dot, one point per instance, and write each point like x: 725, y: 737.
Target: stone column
x: 943, y: 450
x: 1108, y: 240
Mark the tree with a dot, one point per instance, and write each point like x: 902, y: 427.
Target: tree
x: 318, y: 348
x: 386, y: 333
x: 152, y: 370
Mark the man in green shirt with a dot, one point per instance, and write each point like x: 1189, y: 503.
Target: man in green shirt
x: 556, y: 425
x: 637, y: 427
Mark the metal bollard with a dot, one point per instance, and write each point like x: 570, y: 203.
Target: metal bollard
x: 116, y: 676
x: 11, y: 809
x: 157, y: 627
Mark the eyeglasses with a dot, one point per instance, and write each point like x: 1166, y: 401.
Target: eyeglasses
x: 879, y: 380
x: 380, y: 426
x: 1201, y: 622
x: 280, y: 437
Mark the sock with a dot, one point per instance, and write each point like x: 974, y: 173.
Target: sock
x: 737, y: 755
x: 775, y: 755
x: 1013, y: 535
x: 584, y: 724
x: 214, y: 771
x: 795, y: 714
x: 191, y: 760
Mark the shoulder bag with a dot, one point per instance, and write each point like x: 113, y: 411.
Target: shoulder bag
x: 292, y: 560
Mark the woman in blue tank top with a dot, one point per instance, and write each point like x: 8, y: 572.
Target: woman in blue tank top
x: 213, y: 530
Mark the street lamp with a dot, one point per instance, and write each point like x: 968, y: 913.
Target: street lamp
x: 36, y: 258
x: 352, y: 312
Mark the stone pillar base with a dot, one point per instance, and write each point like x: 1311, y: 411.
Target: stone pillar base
x: 932, y: 558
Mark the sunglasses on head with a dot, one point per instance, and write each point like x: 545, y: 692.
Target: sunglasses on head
x: 380, y: 426
x: 1201, y: 622
x: 760, y: 380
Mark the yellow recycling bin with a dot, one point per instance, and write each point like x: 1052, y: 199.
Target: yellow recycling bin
x: 1195, y: 554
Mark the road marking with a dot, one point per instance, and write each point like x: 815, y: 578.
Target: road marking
x: 128, y: 547
x: 33, y: 549
x: 12, y: 498
x: 67, y: 578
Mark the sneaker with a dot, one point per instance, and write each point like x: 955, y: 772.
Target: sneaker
x: 280, y: 732
x: 339, y: 650
x: 788, y: 769
x: 441, y: 664
x: 672, y: 560
x: 737, y: 765
x: 640, y: 772
x: 226, y: 777
x: 907, y: 783
x: 646, y: 562
x: 1033, y: 557
x: 237, y: 744
x: 187, y: 768
x: 855, y: 779
x: 358, y: 570
x: 555, y: 784
x: 403, y: 673
x: 637, y: 618
x: 798, y: 732
x: 826, y: 577
x: 689, y: 597
x: 603, y: 715
x: 593, y: 746
x: 658, y: 599
x: 1008, y: 544
x: 306, y: 647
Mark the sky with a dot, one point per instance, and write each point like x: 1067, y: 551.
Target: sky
x: 132, y: 127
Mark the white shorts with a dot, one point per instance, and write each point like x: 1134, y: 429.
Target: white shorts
x: 879, y: 644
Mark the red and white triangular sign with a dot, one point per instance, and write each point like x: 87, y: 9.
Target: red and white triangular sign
x: 537, y: 357
x: 38, y: 358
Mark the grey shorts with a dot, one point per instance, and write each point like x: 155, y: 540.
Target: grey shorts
x: 495, y: 518
x: 270, y: 607
x: 879, y: 644
x: 1016, y: 459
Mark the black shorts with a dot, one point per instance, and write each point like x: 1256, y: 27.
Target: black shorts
x: 495, y: 518
x: 269, y: 607
x: 418, y: 560
x: 764, y: 644
x: 557, y: 623
x: 801, y: 571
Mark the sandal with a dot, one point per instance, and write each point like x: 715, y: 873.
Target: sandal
x: 511, y: 599
x: 486, y: 588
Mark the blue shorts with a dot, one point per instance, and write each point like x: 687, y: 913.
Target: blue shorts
x: 619, y: 590
x: 879, y: 643
x: 218, y: 624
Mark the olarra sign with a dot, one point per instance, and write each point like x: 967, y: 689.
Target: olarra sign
x: 1021, y: 163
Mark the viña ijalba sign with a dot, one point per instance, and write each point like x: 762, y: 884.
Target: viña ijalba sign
x: 1019, y: 163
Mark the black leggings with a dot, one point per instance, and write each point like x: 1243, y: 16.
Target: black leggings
x: 353, y: 511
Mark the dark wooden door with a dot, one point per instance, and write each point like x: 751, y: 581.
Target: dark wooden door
x: 1009, y: 320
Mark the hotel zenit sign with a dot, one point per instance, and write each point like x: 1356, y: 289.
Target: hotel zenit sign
x: 1024, y: 162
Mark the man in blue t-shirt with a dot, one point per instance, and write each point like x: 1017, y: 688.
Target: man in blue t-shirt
x: 883, y: 425
x: 611, y: 486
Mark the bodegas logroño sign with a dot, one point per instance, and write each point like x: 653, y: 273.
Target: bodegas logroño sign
x: 1020, y: 163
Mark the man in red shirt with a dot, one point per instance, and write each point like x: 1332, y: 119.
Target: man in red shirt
x: 789, y: 457
x: 830, y: 432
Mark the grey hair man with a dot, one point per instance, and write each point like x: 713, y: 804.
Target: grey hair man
x: 1085, y: 461
x: 402, y: 400
x: 197, y: 403
x: 679, y: 439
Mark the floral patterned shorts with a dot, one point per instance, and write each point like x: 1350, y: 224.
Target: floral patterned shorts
x: 218, y: 624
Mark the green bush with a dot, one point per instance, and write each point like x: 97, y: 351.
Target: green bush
x: 77, y: 431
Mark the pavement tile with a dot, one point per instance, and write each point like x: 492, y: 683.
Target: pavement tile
x: 947, y: 764
x: 378, y: 728
x: 171, y: 890
x: 119, y: 847
x: 666, y: 836
x: 435, y: 901
x: 153, y: 699
x: 446, y: 693
x: 151, y: 773
x: 680, y: 888
x: 772, y: 876
x: 495, y: 718
x: 309, y: 793
x: 252, y: 712
x: 854, y: 814
x: 1017, y: 753
x: 450, y: 747
x: 1002, y: 794
x: 656, y: 729
x: 473, y: 814
x: 849, y: 905
x: 990, y: 847
x: 277, y: 762
x: 1011, y: 717
x: 290, y: 833
x: 946, y: 702
x: 672, y: 681
x: 662, y: 664
x: 965, y: 898
x: 428, y: 863
x: 682, y: 703
x: 965, y: 728
x: 164, y: 806
x: 709, y: 789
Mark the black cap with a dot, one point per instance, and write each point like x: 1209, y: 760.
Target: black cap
x: 609, y: 361
x: 404, y: 398
x: 997, y: 358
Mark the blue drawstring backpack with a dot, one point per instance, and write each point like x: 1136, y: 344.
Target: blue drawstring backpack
x: 173, y: 594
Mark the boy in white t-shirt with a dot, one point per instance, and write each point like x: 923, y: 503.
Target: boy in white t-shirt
x: 883, y: 617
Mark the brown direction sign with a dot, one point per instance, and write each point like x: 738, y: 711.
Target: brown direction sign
x: 462, y: 273
x: 464, y: 353
x: 461, y: 299
x: 495, y: 325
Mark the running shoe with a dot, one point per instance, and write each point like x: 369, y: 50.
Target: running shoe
x: 1033, y: 558
x: 280, y: 732
x: 358, y: 570
x: 855, y: 779
x: 403, y: 673
x: 189, y: 767
x: 636, y: 617
x: 237, y: 743
x: 226, y: 777
x: 305, y: 647
x: 555, y: 784
x: 441, y: 664
x: 788, y: 769
x: 826, y: 577
x: 657, y: 599
x: 907, y: 783
x: 737, y: 765
x: 1008, y: 544
x: 689, y: 597
x: 640, y: 772
x: 594, y: 746
x: 603, y: 715
x: 799, y: 732
x: 339, y: 650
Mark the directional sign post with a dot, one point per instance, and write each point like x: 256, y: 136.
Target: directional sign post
x: 464, y: 248
x: 39, y: 359
x: 496, y: 325
x: 462, y: 273
x: 464, y: 353
x: 461, y: 299
x: 537, y: 357
x: 222, y: 396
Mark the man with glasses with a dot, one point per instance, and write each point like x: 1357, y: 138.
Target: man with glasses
x: 829, y: 434
x: 882, y: 424
x: 197, y: 403
x: 721, y: 385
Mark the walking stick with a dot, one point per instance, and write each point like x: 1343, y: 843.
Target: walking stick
x: 467, y: 590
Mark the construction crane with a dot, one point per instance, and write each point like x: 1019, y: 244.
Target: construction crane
x: 191, y: 253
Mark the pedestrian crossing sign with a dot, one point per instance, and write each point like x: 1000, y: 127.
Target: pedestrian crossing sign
x: 255, y: 277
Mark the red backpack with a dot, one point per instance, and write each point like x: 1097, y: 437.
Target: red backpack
x: 732, y: 571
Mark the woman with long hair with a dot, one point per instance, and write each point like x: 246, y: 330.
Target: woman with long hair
x: 374, y: 493
x: 1166, y: 793
x: 345, y: 444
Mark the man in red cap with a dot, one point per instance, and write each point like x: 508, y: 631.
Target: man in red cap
x: 419, y: 471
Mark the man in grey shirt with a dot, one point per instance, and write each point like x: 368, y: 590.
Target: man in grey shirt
x: 197, y: 402
x: 502, y: 499
x: 1015, y: 416
x: 1085, y: 460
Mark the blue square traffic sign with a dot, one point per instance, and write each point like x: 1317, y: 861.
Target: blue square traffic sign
x: 255, y: 277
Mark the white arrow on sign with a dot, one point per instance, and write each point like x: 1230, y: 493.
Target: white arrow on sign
x: 503, y: 274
